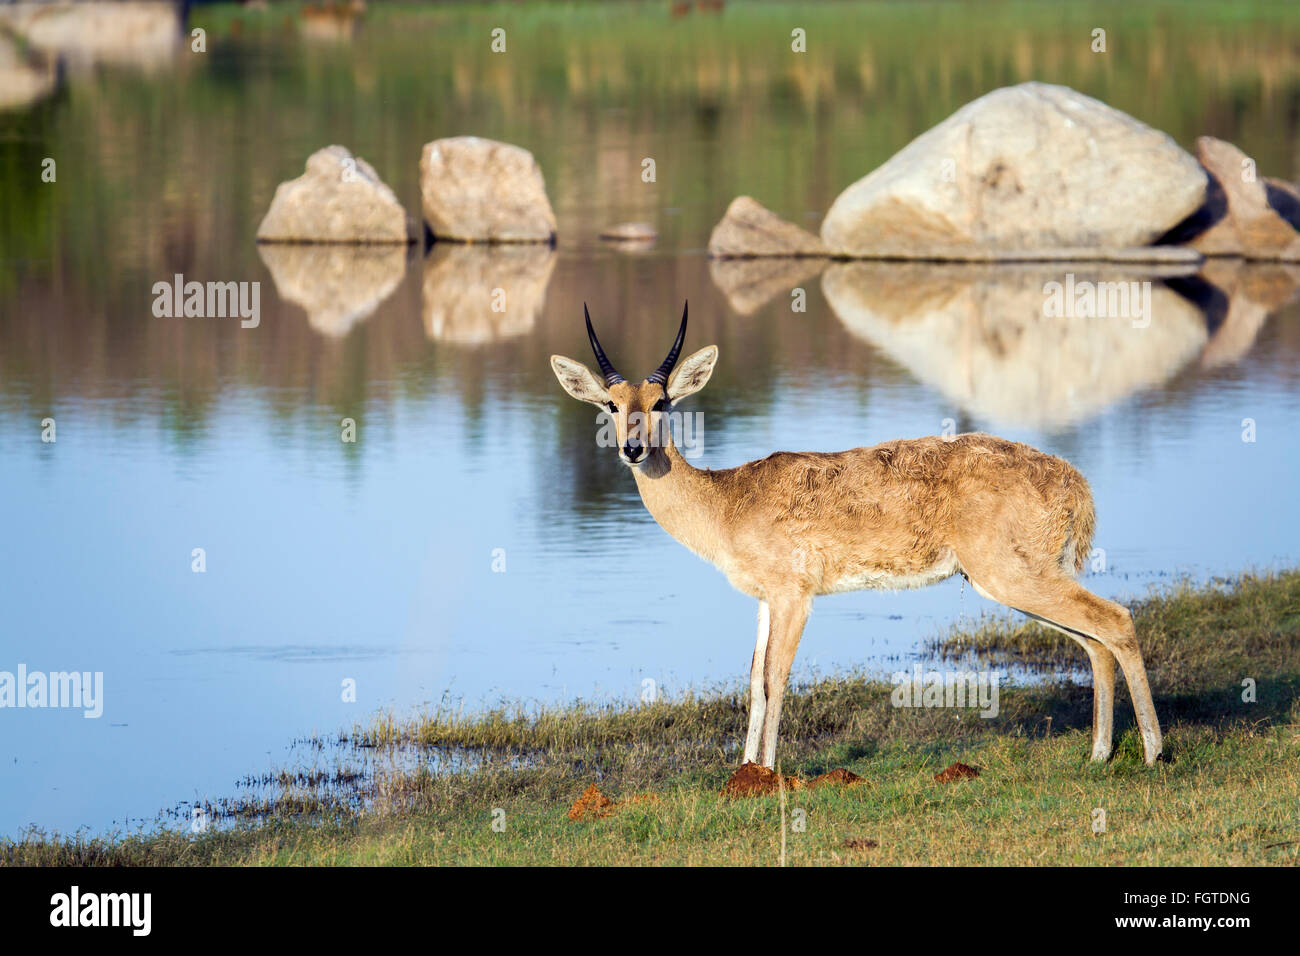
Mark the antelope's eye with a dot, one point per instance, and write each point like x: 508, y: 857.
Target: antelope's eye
x: 613, y: 409
x: 658, y: 406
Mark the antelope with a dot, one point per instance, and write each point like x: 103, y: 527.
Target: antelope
x: 1015, y: 522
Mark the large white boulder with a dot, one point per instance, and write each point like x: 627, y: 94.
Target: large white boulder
x: 1022, y: 169
x: 480, y: 190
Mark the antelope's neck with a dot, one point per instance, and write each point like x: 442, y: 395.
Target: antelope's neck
x: 682, y: 499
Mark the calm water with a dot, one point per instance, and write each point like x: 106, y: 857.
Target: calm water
x: 373, y: 561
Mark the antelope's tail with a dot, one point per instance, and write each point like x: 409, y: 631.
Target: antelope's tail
x: 1081, y: 523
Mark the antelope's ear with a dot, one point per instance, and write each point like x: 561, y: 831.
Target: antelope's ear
x: 693, y: 373
x: 579, y: 381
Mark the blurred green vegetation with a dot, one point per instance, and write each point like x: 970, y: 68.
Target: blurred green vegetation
x: 170, y: 169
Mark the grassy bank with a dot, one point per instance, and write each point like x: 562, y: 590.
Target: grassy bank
x: 1228, y: 794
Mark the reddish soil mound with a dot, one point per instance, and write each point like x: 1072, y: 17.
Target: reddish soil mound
x: 845, y: 778
x: 591, y: 805
x: 958, y: 771
x: 752, y: 780
x: 860, y: 843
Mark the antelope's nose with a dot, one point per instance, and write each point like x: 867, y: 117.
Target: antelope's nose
x: 633, y: 450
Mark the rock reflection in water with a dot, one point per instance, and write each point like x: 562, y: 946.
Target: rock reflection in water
x: 985, y: 337
x: 338, y: 285
x: 1252, y: 293
x: 749, y: 284
x: 475, y: 294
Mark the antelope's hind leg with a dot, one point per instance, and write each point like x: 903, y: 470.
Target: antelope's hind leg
x: 1059, y: 600
x: 1103, y: 688
x: 1103, y: 696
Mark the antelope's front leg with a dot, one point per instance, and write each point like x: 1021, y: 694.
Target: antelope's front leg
x: 791, y: 612
x: 757, y: 694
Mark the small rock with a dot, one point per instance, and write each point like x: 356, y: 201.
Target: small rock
x: 1238, y: 216
x: 1028, y: 167
x: 480, y: 190
x: 340, y: 198
x: 630, y: 232
x: 750, y: 229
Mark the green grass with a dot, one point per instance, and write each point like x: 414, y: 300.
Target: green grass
x: 1229, y: 792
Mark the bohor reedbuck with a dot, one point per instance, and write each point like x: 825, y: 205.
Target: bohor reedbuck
x: 1015, y: 522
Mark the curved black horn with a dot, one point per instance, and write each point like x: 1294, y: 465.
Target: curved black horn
x: 660, y: 375
x: 606, y: 366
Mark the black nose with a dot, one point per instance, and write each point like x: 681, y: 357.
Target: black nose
x: 633, y: 450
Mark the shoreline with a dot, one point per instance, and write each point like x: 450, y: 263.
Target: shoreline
x: 1227, y: 794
